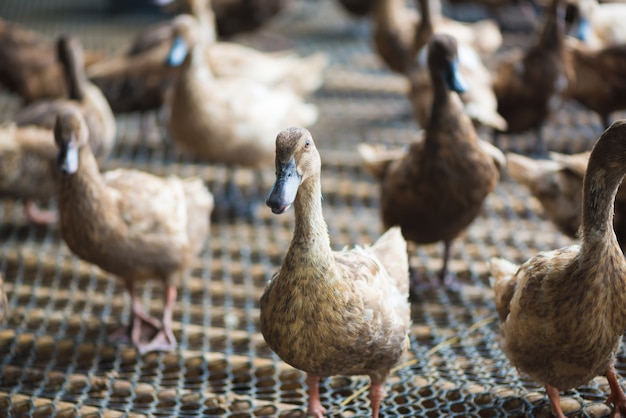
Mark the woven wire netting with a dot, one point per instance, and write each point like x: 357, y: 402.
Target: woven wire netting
x: 54, y: 356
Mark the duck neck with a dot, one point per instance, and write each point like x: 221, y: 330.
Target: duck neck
x: 202, y: 10
x: 424, y: 29
x: 310, y: 231
x: 553, y: 30
x: 73, y: 63
x: 87, y: 181
x: 388, y: 12
x: 600, y: 187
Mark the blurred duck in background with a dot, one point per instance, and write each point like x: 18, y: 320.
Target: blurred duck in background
x: 27, y: 151
x: 30, y: 66
x: 529, y: 84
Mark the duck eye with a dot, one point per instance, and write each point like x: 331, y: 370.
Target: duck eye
x: 307, y: 143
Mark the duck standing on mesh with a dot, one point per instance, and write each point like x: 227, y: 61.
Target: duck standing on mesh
x: 131, y: 224
x: 332, y: 312
x: 563, y: 312
x: 436, y: 189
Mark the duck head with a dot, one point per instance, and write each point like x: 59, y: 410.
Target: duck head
x: 185, y: 36
x: 70, y: 134
x: 297, y: 160
x: 443, y: 60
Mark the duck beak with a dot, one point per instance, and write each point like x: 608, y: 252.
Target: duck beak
x: 285, y: 187
x: 583, y: 31
x: 67, y: 159
x: 455, y: 80
x: 178, y: 52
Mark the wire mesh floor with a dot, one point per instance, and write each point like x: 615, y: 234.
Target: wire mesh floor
x: 54, y: 356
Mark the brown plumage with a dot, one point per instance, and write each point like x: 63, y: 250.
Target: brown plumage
x: 597, y: 79
x: 27, y: 172
x: 4, y: 302
x: 29, y: 65
x: 395, y: 36
x: 437, y: 188
x: 563, y: 322
x: 557, y: 184
x: 82, y: 94
x: 332, y: 312
x: 129, y: 223
x: 528, y: 84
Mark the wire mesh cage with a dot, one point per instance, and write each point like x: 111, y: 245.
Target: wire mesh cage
x: 54, y: 356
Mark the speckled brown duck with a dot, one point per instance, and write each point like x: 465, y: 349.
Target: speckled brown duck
x: 82, y: 94
x: 597, y: 78
x: 332, y: 312
x: 27, y: 156
x: 436, y: 189
x: 131, y: 224
x: 563, y: 312
x: 30, y: 66
x: 528, y: 84
x: 557, y: 183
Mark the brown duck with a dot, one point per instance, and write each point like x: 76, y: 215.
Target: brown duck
x: 129, y: 223
x: 332, y: 312
x: 563, y: 312
x: 557, y: 184
x: 529, y: 84
x: 436, y: 189
x: 82, y: 94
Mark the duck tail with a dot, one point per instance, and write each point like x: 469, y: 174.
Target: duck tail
x: 528, y: 171
x: 503, y: 283
x: 376, y: 159
x: 391, y: 250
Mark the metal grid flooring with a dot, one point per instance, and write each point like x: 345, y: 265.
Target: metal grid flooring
x: 54, y: 357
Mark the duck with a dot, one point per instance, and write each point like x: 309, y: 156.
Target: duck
x: 435, y: 189
x: 146, y: 57
x: 131, y: 224
x: 331, y: 312
x: 27, y: 156
x: 479, y: 99
x: 400, y: 33
x: 229, y: 120
x: 30, y: 66
x: 597, y: 80
x: 529, y: 84
x: 4, y: 301
x: 563, y: 312
x: 600, y: 24
x: 81, y: 93
x: 557, y: 184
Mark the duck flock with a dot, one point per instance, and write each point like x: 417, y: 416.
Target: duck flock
x: 217, y: 100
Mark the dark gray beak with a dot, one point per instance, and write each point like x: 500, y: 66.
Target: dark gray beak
x: 285, y: 187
